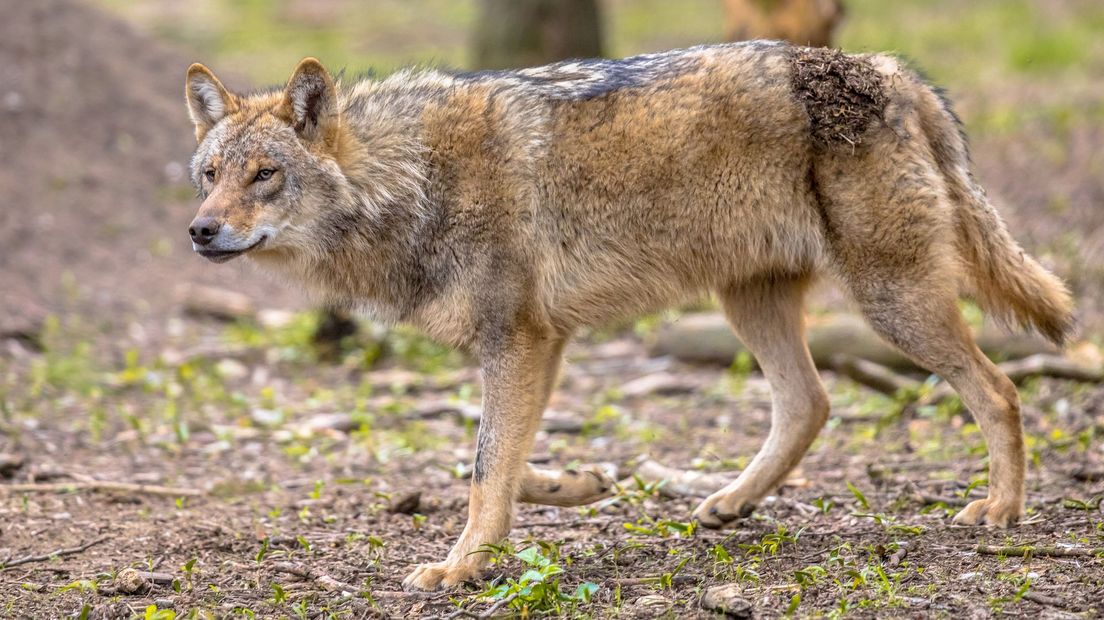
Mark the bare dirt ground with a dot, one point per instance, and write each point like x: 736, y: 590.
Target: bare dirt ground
x: 265, y: 483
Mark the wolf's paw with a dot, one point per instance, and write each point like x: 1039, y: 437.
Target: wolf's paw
x: 439, y: 575
x: 990, y: 511
x: 590, y: 485
x: 566, y: 488
x: 722, y: 508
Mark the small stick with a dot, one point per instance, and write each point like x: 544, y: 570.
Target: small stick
x: 1046, y: 365
x: 680, y: 483
x: 1043, y: 599
x: 873, y: 375
x: 1024, y: 551
x: 100, y: 485
x: 929, y: 499
x: 46, y: 556
x: 328, y: 583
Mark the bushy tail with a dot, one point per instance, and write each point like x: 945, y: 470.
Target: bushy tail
x: 1006, y: 281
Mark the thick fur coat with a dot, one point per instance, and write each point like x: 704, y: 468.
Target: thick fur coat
x: 501, y: 211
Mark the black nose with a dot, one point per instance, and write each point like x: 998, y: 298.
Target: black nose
x: 203, y: 230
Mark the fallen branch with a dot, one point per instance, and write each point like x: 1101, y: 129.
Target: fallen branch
x: 1027, y: 550
x: 100, y: 485
x: 53, y: 554
x: 886, y: 380
x: 680, y: 483
x: 305, y: 572
x: 707, y: 337
x: 1056, y: 366
x: 929, y: 499
x: 874, y: 375
x: 1043, y: 599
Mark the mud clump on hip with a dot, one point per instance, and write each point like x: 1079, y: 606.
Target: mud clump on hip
x: 842, y: 94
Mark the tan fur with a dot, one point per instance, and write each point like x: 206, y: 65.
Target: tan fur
x: 503, y: 211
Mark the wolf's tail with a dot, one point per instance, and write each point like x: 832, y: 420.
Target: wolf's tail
x: 1004, y: 279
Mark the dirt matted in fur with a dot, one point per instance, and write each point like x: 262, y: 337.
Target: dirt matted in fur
x: 842, y: 94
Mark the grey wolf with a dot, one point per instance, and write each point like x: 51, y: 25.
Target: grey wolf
x: 502, y: 211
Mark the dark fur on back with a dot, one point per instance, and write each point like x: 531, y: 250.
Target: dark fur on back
x: 590, y: 78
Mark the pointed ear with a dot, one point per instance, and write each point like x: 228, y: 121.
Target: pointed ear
x: 208, y: 100
x: 310, y: 101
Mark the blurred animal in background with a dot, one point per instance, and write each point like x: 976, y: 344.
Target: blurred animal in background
x: 804, y: 22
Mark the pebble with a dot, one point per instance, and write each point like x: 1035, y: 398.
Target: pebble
x: 728, y: 600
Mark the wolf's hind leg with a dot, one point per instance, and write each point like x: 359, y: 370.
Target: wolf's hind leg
x: 930, y: 330
x: 895, y: 243
x: 768, y: 315
x: 565, y: 488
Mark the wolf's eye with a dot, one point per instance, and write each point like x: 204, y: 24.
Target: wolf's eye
x: 210, y: 174
x: 264, y: 174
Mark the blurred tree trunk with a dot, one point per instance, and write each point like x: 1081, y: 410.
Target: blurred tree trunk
x: 524, y: 33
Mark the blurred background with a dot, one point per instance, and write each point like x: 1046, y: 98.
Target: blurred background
x: 94, y: 134
x: 125, y: 357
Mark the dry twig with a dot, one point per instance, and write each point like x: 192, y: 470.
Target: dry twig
x: 680, y: 483
x: 888, y: 381
x: 101, y: 485
x: 873, y: 375
x: 305, y: 572
x: 1043, y: 599
x: 1028, y: 550
x: 46, y: 556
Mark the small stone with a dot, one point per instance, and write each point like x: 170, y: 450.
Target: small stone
x: 727, y: 600
x: 331, y: 421
x: 273, y: 318
x: 13, y: 101
x: 651, y: 605
x: 10, y: 463
x: 131, y: 581
x: 231, y: 369
x: 562, y: 422
x: 661, y: 383
x: 407, y: 504
x: 267, y: 417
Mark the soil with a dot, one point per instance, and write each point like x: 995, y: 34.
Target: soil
x: 96, y: 198
x: 842, y: 94
x: 320, y: 485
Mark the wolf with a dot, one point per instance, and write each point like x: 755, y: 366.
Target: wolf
x: 502, y: 211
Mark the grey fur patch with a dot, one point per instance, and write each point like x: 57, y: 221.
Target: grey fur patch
x: 583, y: 79
x: 843, y: 95
x: 484, y: 449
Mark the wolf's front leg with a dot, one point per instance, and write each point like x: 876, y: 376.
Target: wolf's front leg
x: 516, y: 382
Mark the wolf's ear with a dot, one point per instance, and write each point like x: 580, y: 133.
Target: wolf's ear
x: 310, y: 101
x: 208, y: 100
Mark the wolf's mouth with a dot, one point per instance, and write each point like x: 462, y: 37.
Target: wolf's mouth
x: 221, y: 256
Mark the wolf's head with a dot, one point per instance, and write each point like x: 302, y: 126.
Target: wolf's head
x: 256, y: 159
